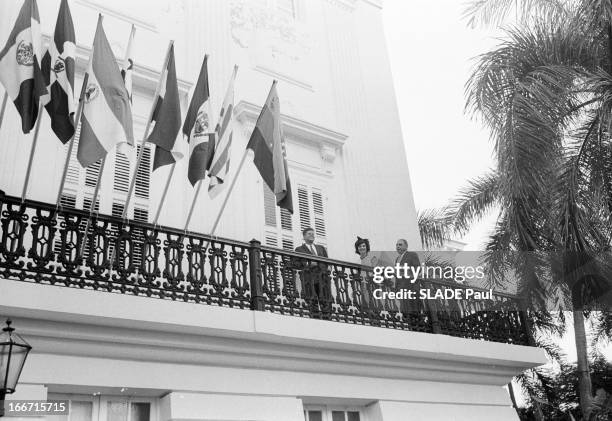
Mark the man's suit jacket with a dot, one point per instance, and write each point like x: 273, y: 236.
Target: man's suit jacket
x: 321, y: 251
x: 411, y: 259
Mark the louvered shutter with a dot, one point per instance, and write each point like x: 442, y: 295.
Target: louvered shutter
x: 269, y: 206
x: 143, y: 176
x: 304, y: 207
x: 122, y: 173
x: 91, y: 174
x: 319, y: 213
x: 74, y: 168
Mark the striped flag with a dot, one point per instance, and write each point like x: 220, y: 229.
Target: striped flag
x: 107, y: 116
x: 224, y: 130
x: 167, y: 117
x: 198, y: 128
x: 58, y: 70
x: 128, y: 64
x: 268, y: 144
x: 20, y: 71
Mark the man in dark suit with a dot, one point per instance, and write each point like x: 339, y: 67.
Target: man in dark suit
x: 410, y: 259
x: 316, y: 282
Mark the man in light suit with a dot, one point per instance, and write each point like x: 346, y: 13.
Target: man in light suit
x: 316, y: 282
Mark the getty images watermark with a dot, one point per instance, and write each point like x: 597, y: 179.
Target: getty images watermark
x: 402, y: 276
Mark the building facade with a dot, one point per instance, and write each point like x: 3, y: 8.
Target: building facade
x: 218, y: 339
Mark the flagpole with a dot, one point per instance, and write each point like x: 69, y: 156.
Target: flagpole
x: 146, y: 133
x: 32, y: 151
x: 93, y: 202
x: 77, y: 120
x: 3, y: 108
x: 163, y: 198
x: 229, y: 191
x: 128, y: 50
x: 232, y: 79
x: 231, y: 188
x: 193, y: 202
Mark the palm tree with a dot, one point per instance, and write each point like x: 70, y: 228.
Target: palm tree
x: 545, y: 95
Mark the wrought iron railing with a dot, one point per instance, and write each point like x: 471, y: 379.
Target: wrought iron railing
x: 43, y: 244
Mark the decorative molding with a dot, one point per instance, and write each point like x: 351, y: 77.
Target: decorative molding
x: 283, y: 77
x: 328, y: 154
x: 278, y: 45
x: 375, y: 3
x: 245, y: 18
x: 350, y: 5
x: 101, y: 8
x: 247, y: 112
x: 347, y: 5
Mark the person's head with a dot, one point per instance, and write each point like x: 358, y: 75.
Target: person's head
x: 362, y: 246
x: 309, y: 235
x: 401, y: 245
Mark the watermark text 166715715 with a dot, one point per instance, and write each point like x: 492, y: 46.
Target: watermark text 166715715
x: 36, y: 408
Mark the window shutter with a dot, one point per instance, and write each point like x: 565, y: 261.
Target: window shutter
x: 271, y: 240
x: 74, y: 168
x: 122, y: 173
x: 91, y: 174
x: 117, y: 210
x: 304, y: 207
x: 143, y: 176
x: 287, y: 244
x: 87, y: 204
x: 319, y: 214
x: 286, y: 220
x: 68, y: 200
x: 269, y: 206
x: 141, y: 215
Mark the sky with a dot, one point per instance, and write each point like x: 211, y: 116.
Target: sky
x: 431, y: 50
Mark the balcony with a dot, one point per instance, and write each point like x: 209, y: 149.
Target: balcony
x: 67, y: 247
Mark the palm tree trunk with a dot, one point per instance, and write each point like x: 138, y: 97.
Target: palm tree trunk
x: 584, y: 376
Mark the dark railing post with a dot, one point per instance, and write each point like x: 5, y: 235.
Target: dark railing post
x: 256, y: 276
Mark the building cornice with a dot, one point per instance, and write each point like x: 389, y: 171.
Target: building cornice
x: 145, y: 78
x: 350, y: 5
x: 247, y: 113
x: 99, y: 7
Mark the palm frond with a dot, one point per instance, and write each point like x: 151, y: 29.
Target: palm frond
x: 435, y: 228
x: 473, y: 202
x: 496, y: 12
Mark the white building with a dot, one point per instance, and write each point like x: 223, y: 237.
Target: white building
x: 120, y: 357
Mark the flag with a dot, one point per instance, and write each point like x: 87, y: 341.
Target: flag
x: 107, y: 117
x: 268, y: 144
x: 167, y: 117
x: 128, y: 64
x: 198, y: 128
x: 58, y: 70
x: 219, y: 166
x: 20, y: 71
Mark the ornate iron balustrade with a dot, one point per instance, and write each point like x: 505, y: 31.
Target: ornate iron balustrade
x: 42, y: 244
